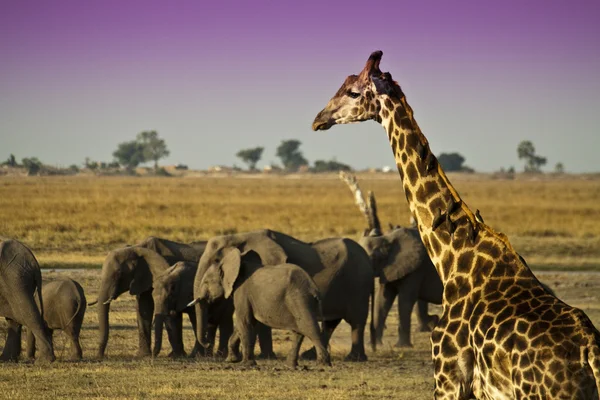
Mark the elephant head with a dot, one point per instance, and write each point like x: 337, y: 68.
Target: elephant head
x: 127, y: 269
x: 219, y: 280
x: 395, y: 254
x: 172, y: 292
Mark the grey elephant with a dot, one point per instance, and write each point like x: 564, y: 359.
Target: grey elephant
x: 20, y: 286
x: 172, y: 292
x: 130, y: 269
x: 64, y: 308
x: 281, y: 296
x: 174, y: 252
x: 340, y: 268
x: 404, y: 271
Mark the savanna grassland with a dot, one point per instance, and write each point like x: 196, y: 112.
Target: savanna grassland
x: 71, y: 222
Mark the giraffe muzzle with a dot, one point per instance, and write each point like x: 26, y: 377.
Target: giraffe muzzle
x: 322, y: 124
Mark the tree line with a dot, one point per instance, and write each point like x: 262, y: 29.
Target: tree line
x: 149, y: 147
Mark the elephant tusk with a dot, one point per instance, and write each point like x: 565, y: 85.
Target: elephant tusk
x: 193, y: 302
x: 93, y: 303
x: 107, y: 301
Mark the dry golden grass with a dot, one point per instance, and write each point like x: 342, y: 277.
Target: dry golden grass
x: 71, y: 220
x: 74, y: 221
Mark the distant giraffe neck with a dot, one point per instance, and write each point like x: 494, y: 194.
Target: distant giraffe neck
x: 447, y: 226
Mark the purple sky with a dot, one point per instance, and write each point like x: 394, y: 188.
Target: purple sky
x: 213, y: 77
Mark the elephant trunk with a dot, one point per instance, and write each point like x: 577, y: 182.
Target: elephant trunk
x: 104, y: 299
x: 372, y: 330
x: 159, y: 320
x: 202, y: 326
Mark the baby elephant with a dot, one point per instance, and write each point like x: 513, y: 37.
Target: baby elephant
x: 281, y: 296
x: 64, y: 308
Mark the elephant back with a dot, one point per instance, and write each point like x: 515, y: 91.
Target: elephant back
x: 17, y: 260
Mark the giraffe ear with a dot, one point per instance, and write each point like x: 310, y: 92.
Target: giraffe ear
x: 372, y: 66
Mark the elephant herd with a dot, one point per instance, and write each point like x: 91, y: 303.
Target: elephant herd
x: 265, y: 278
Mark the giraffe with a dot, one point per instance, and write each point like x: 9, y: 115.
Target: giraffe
x: 501, y: 335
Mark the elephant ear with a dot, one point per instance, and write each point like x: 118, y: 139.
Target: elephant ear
x: 147, y: 263
x: 230, y: 267
x: 185, y: 284
x: 406, y: 253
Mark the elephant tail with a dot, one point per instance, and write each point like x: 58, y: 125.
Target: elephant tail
x: 372, y: 330
x: 81, y: 302
x: 38, y: 289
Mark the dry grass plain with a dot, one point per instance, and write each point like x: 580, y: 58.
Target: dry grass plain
x: 72, y: 222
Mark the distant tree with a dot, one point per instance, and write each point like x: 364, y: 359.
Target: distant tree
x: 74, y: 168
x: 533, y: 162
x: 11, y: 161
x: 290, y: 155
x: 33, y: 165
x: 559, y: 168
x: 451, y: 162
x: 330, y: 166
x: 90, y: 164
x: 154, y: 148
x: 129, y: 154
x: 250, y: 156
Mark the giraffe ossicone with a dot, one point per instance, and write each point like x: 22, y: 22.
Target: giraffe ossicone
x: 502, y: 335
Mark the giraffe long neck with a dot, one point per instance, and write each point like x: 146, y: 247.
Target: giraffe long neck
x: 444, y: 221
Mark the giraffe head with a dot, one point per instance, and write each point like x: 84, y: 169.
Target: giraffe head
x: 360, y: 97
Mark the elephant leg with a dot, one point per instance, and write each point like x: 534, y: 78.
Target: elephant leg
x: 197, y: 347
x: 72, y: 331
x: 328, y: 328
x: 175, y: 322
x: 384, y: 300
x: 406, y: 302
x: 247, y: 338
x: 309, y: 327
x: 30, y: 317
x: 357, y: 352
x: 292, y: 358
x: 426, y: 322
x: 234, y: 344
x: 30, y: 346
x: 225, y: 332
x: 265, y: 340
x: 12, y: 347
x: 145, y: 312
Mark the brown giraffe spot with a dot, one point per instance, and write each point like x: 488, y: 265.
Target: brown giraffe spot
x: 385, y: 114
x: 394, y: 144
x: 490, y: 248
x: 503, y: 331
x: 390, y: 127
x: 411, y: 173
x: 462, y: 336
x: 404, y: 156
x: 456, y: 310
x: 505, y: 314
x: 496, y: 306
x: 465, y: 261
x: 405, y: 124
x: 450, y: 289
x: 402, y: 141
x: 452, y: 327
x: 411, y: 142
x: 520, y: 343
x: 486, y: 323
x: 522, y: 327
x: 435, y: 245
x: 388, y: 104
x: 448, y: 347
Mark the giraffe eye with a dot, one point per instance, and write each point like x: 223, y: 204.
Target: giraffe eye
x: 352, y: 94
